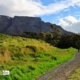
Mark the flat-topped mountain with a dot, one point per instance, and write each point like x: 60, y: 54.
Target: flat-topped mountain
x: 19, y: 24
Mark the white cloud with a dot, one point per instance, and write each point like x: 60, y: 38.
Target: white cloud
x: 70, y: 23
x: 34, y: 7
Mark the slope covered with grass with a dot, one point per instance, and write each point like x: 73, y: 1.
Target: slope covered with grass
x: 27, y: 59
x: 75, y: 75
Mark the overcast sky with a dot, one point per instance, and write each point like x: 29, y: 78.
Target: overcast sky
x: 63, y: 12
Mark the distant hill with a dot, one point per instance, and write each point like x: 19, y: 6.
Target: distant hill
x: 18, y: 25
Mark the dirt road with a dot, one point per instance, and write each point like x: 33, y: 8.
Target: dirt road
x: 63, y: 71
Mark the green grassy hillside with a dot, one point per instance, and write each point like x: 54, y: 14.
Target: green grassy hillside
x: 27, y: 59
x: 75, y: 75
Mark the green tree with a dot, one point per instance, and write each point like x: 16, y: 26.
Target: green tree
x: 78, y: 42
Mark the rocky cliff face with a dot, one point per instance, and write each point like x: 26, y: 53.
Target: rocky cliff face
x: 4, y: 23
x: 19, y: 24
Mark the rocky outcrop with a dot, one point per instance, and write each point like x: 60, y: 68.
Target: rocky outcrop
x: 4, y: 23
x: 20, y: 24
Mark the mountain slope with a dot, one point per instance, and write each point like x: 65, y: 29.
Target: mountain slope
x: 20, y: 24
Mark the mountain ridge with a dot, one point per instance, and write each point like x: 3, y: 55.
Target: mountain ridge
x: 17, y: 25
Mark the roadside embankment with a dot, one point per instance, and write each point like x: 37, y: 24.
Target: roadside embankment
x: 63, y: 71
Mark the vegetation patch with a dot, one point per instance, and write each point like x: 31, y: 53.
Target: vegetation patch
x: 27, y: 59
x: 75, y: 75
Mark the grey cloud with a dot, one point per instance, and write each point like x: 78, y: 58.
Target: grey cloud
x: 4, y: 10
x: 70, y: 23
